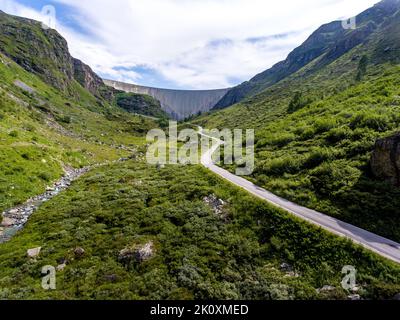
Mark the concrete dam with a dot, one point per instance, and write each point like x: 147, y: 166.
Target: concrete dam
x: 179, y: 104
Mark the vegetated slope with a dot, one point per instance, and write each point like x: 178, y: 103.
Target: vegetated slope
x: 326, y: 44
x: 44, y: 127
x: 315, y: 132
x: 141, y: 104
x: 132, y: 231
x: 44, y: 52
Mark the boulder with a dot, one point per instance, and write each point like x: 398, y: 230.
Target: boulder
x: 217, y: 205
x: 34, y: 253
x: 325, y: 289
x: 7, y: 222
x: 137, y: 253
x: 354, y: 297
x: 385, y: 160
x: 61, y: 267
x: 79, y: 252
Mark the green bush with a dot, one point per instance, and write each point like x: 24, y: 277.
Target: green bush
x: 13, y: 134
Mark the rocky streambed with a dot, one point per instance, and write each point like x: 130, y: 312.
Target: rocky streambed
x: 14, y: 219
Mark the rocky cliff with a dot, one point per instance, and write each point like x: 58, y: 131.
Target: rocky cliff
x: 385, y: 161
x: 40, y: 51
x: 179, y: 104
x: 88, y: 79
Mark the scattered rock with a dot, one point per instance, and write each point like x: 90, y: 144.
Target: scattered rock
x: 34, y: 253
x: 111, y: 278
x: 385, y: 160
x: 354, y: 297
x: 217, y: 205
x: 79, y: 252
x: 137, y: 253
x: 285, y: 267
x: 61, y: 267
x: 7, y: 222
x: 23, y: 86
x: 292, y: 274
x: 145, y: 252
x: 326, y: 288
x: 14, y: 219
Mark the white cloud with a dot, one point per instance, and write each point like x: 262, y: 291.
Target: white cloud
x: 192, y: 43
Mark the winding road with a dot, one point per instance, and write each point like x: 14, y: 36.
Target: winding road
x: 382, y: 246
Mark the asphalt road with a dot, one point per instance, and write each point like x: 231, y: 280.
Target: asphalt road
x: 382, y: 246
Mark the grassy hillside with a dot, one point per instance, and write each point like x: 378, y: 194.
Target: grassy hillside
x: 140, y: 104
x: 316, y: 128
x: 43, y: 129
x: 236, y: 253
x: 314, y: 138
x: 328, y: 43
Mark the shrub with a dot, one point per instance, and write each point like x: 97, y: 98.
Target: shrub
x: 280, y: 166
x: 13, y: 134
x: 370, y: 120
x: 323, y: 125
x: 362, y: 68
x: 338, y: 134
x: 298, y: 102
x: 333, y: 176
x: 317, y: 156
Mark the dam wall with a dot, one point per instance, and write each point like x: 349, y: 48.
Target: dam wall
x: 179, y: 104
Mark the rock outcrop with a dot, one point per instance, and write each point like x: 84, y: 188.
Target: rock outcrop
x: 88, y: 79
x: 385, y: 160
x: 136, y: 253
x: 43, y: 52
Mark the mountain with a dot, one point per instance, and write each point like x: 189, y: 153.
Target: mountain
x: 40, y: 51
x: 129, y: 230
x: 326, y: 44
x: 317, y: 128
x: 53, y: 112
x: 44, y: 52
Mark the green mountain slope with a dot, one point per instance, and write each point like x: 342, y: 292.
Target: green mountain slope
x: 316, y: 129
x: 248, y: 250
x: 141, y: 104
x: 324, y: 46
x: 134, y: 231
x: 48, y: 120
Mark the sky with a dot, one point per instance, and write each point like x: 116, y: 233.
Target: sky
x: 184, y: 44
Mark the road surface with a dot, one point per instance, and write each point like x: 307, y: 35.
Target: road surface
x: 382, y: 246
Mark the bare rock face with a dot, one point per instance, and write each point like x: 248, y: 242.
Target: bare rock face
x: 385, y: 161
x: 87, y: 78
x: 137, y: 253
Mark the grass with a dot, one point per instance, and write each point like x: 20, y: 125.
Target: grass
x: 314, y: 148
x: 197, y: 254
x: 41, y: 132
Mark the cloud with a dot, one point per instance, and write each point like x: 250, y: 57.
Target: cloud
x: 193, y: 44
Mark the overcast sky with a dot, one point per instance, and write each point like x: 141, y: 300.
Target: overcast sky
x: 185, y: 44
